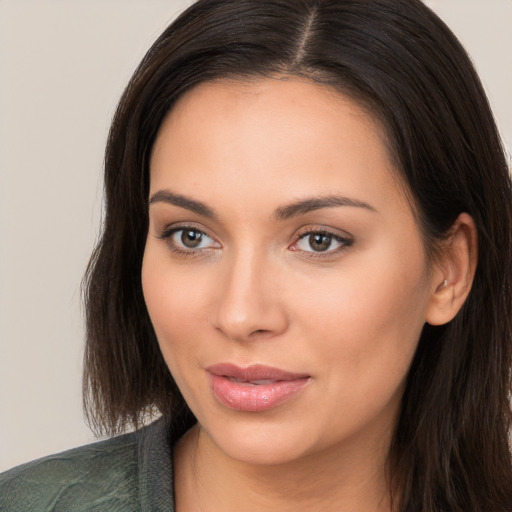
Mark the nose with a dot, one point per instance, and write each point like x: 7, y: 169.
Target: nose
x: 248, y: 302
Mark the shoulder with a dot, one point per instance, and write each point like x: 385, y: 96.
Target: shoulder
x: 108, y: 475
x: 74, y: 479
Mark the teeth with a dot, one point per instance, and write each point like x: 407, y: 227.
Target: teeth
x: 261, y: 382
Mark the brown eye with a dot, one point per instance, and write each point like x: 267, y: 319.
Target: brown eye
x: 191, y: 238
x: 320, y: 242
x: 188, y: 239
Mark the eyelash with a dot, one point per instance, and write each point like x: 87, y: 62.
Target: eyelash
x: 343, y: 241
x: 168, y: 233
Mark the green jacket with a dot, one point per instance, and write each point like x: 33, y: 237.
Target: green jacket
x: 132, y: 472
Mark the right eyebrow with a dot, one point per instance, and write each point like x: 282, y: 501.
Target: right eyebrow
x: 165, y: 196
x: 304, y: 206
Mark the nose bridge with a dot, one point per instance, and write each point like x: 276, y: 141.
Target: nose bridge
x: 247, y: 300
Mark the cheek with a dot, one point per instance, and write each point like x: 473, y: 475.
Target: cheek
x: 172, y: 299
x: 368, y: 319
x: 174, y: 303
x: 364, y: 298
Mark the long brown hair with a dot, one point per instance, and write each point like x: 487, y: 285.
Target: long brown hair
x: 450, y: 451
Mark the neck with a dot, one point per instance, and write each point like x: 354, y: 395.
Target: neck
x: 345, y: 478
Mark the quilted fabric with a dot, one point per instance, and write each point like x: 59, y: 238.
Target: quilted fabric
x: 132, y: 472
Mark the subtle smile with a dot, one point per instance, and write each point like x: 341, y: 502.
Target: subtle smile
x: 254, y: 388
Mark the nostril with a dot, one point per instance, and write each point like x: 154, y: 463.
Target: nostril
x: 260, y: 332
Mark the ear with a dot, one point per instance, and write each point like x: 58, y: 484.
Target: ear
x: 454, y: 271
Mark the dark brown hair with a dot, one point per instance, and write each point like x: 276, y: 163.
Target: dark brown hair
x: 450, y: 451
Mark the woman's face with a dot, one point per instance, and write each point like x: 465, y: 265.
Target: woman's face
x: 284, y: 272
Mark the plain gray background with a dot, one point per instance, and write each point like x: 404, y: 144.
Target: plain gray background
x: 63, y: 66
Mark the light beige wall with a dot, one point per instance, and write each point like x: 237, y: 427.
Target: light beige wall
x: 63, y: 65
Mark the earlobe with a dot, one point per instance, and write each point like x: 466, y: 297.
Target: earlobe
x: 454, y: 271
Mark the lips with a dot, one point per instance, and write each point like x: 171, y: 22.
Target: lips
x: 254, y: 388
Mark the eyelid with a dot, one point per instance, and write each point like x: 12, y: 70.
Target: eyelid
x: 166, y: 235
x: 322, y: 228
x: 168, y: 229
x: 345, y: 239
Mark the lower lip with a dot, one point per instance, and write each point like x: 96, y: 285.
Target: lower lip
x: 254, y: 398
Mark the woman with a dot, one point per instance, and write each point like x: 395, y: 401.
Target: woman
x: 304, y: 269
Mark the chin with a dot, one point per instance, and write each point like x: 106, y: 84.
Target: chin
x: 263, y: 443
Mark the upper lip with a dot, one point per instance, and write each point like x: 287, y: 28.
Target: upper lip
x: 253, y: 372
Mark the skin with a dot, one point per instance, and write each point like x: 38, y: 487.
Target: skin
x: 256, y: 290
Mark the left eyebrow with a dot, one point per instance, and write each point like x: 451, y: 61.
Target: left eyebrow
x: 166, y: 196
x: 316, y: 203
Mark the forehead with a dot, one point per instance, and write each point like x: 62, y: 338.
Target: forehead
x: 257, y: 98
x: 269, y: 136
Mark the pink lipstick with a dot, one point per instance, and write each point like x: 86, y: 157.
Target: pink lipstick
x: 254, y: 388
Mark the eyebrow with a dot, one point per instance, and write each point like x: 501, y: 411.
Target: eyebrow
x: 295, y: 209
x: 316, y: 203
x: 165, y: 196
